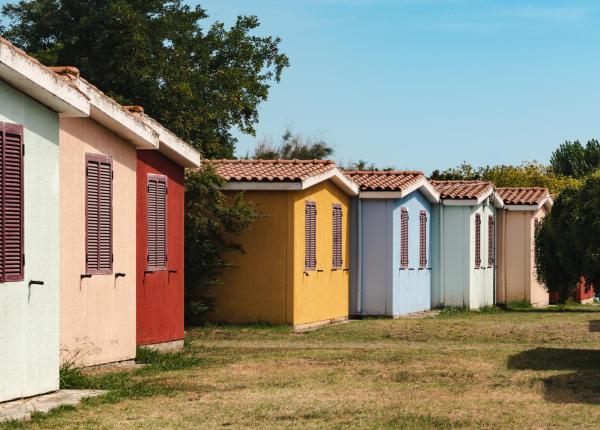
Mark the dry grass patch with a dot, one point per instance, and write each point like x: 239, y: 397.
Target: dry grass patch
x: 494, y: 369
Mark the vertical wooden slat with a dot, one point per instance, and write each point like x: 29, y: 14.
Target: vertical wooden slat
x: 491, y: 240
x: 337, y: 236
x: 157, y: 222
x: 477, y: 241
x: 422, y: 239
x: 404, y: 238
x: 99, y: 229
x: 12, y: 203
x: 310, y: 260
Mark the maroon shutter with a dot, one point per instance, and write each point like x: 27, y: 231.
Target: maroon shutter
x: 423, y: 239
x: 11, y: 207
x: 337, y: 236
x: 491, y: 240
x: 310, y: 256
x: 98, y: 214
x: 157, y: 222
x: 477, y: 241
x: 404, y: 238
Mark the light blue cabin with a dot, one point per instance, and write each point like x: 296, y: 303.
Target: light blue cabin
x: 391, y: 243
x: 464, y: 244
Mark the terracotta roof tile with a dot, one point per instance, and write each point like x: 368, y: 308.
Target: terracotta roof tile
x: 461, y: 190
x: 523, y: 196
x: 397, y: 180
x: 270, y: 170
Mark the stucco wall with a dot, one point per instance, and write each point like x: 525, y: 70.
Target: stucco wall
x: 256, y: 288
x: 29, y: 315
x: 516, y: 258
x: 159, y: 300
x: 412, y: 286
x: 322, y: 294
x: 98, y: 315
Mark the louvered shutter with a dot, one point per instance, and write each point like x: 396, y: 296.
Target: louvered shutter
x: 404, y: 238
x: 423, y: 239
x: 477, y: 241
x: 491, y: 240
x: 157, y: 222
x: 11, y: 206
x: 99, y: 175
x: 310, y: 258
x: 337, y: 236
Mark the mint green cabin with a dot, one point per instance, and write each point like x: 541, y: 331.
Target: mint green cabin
x: 464, y: 244
x: 31, y: 100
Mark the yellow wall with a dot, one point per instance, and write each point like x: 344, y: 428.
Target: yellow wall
x: 97, y: 315
x: 268, y: 283
x: 256, y: 289
x: 323, y: 294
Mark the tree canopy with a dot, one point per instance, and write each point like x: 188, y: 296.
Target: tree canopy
x: 198, y: 81
x: 568, y: 242
x: 574, y: 159
x: 529, y: 174
x: 293, y: 146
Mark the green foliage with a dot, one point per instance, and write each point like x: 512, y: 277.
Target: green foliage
x: 568, y: 240
x: 366, y: 166
x: 529, y: 174
x: 198, y: 81
x: 213, y: 223
x: 293, y: 147
x: 574, y: 159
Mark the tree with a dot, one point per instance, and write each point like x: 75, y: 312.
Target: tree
x: 568, y: 243
x: 293, y: 147
x: 213, y: 223
x: 574, y: 159
x: 528, y: 174
x: 199, y: 82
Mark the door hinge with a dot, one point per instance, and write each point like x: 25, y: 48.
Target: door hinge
x: 23, y: 150
x: 23, y: 259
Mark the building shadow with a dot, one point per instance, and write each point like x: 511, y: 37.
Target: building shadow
x: 594, y: 326
x: 581, y: 385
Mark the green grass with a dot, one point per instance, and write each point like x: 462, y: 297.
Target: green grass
x: 520, y: 367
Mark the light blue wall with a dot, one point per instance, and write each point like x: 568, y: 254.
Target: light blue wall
x: 29, y: 314
x: 412, y: 286
x: 387, y: 290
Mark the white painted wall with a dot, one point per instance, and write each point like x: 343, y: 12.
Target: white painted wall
x: 29, y: 315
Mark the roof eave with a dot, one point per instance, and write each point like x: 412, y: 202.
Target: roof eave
x: 172, y: 146
x: 422, y: 185
x: 40, y: 84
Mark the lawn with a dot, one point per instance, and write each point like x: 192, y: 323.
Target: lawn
x: 492, y: 369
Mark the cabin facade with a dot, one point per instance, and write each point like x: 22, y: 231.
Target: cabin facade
x: 391, y: 243
x: 464, y: 245
x: 295, y: 265
x: 517, y: 223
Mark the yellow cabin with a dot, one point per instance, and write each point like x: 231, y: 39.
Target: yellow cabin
x: 295, y: 269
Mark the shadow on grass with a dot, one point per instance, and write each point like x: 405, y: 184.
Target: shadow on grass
x: 594, y: 326
x: 580, y: 386
x: 555, y: 309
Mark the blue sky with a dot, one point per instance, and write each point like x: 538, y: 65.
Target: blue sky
x: 425, y: 84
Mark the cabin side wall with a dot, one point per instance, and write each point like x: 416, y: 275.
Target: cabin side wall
x: 98, y: 314
x: 255, y: 288
x: 159, y: 298
x: 29, y: 315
